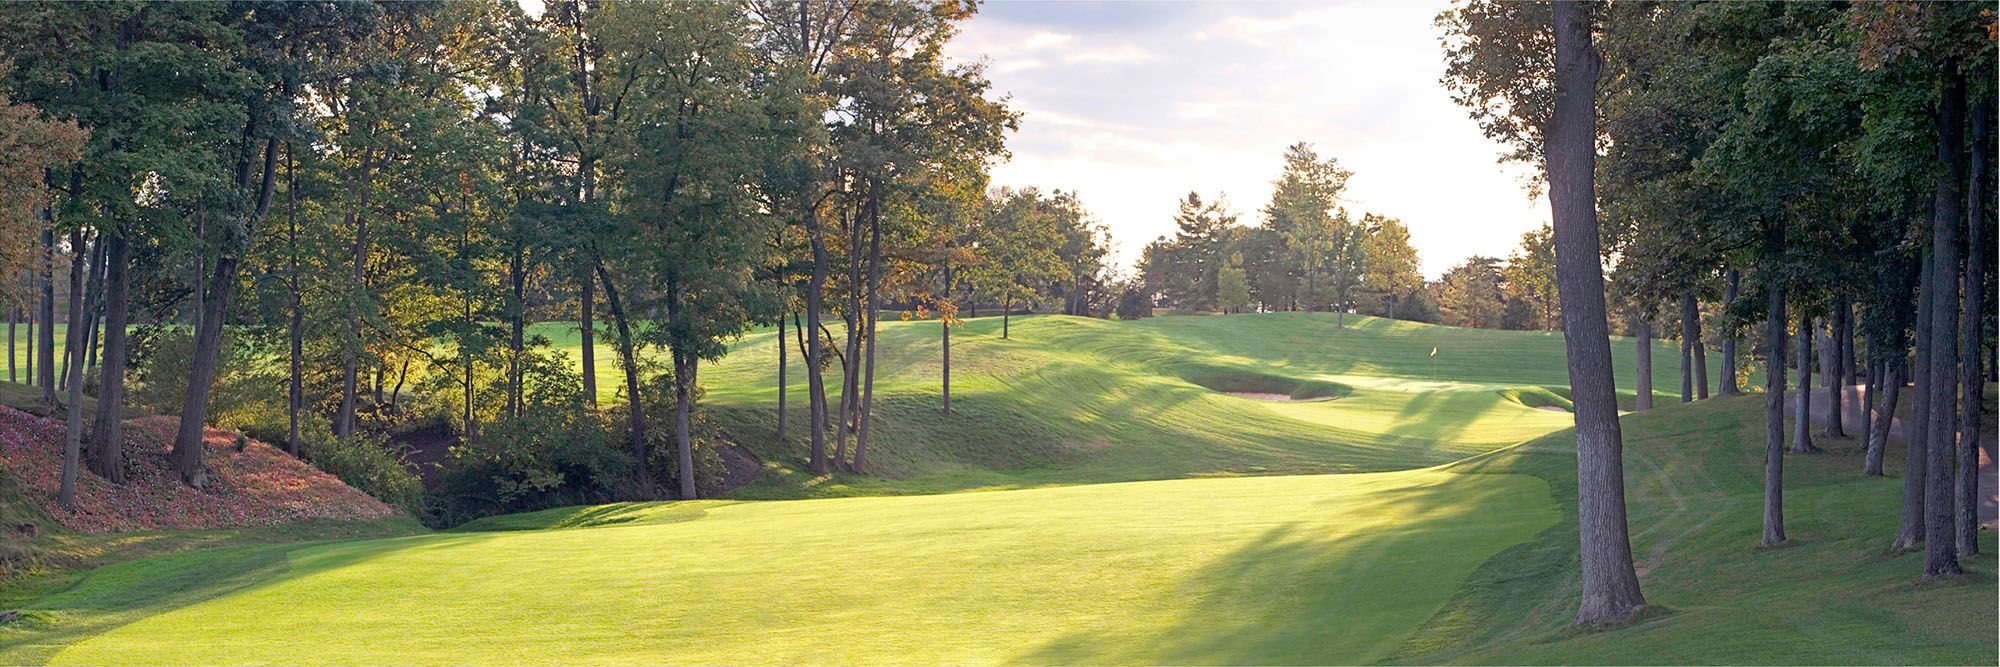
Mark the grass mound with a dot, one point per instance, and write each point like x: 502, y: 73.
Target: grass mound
x: 1539, y: 397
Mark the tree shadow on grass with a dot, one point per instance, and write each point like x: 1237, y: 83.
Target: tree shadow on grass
x: 116, y: 595
x: 1296, y: 596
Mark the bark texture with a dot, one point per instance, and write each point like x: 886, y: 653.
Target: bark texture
x: 1610, y: 584
x: 1940, y: 542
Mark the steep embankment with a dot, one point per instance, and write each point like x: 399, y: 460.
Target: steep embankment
x: 252, y: 483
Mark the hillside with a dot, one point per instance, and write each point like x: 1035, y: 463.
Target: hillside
x: 1074, y: 400
x: 1469, y: 562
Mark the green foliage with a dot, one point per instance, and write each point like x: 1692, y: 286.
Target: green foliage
x: 1518, y: 315
x: 1418, y: 306
x: 1134, y: 301
x: 1232, y: 291
x: 245, y: 382
x: 1468, y: 295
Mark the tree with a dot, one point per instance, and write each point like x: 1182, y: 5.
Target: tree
x: 1468, y: 295
x: 1185, y: 267
x: 1305, y: 209
x: 1530, y: 275
x: 1392, y: 269
x: 1232, y: 289
x: 1541, y: 101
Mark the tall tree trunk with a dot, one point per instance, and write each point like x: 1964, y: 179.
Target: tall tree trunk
x: 1644, y: 351
x: 47, y: 378
x: 1774, y: 407
x: 1802, y: 400
x: 13, y: 319
x: 517, y: 308
x: 93, y: 303
x: 781, y: 375
x: 1006, y: 312
x: 73, y: 374
x: 587, y: 331
x: 1700, y: 355
x: 215, y: 307
x: 945, y: 330
x: 1729, y: 385
x: 1910, y: 527
x: 1885, y: 414
x: 850, y: 362
x: 1827, y: 331
x: 1940, y: 540
x: 628, y: 359
x: 684, y: 379
x: 28, y: 360
x: 1971, y: 336
x: 350, y: 362
x: 1690, y: 338
x: 874, y: 310
x: 1844, y: 320
x: 1610, y: 585
x: 295, y: 394
x: 107, y: 437
x: 815, y: 355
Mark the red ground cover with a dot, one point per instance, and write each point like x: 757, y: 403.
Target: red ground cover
x: 261, y: 485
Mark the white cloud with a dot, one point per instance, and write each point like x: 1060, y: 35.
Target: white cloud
x: 1207, y: 96
x: 1123, y: 54
x: 1017, y: 65
x: 1043, y: 40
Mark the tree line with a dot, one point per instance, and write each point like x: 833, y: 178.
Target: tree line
x: 1308, y: 254
x: 1819, y: 172
x: 379, y: 198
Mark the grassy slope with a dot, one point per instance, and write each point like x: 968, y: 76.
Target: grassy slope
x: 1183, y: 571
x: 1348, y: 568
x: 1290, y: 569
x: 1073, y: 400
x: 1834, y: 595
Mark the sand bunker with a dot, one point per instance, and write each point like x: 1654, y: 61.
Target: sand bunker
x: 1283, y: 398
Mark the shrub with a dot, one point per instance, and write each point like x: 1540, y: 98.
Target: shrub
x: 556, y: 453
x: 1134, y: 302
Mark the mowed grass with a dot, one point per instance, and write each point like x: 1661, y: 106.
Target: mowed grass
x: 1067, y: 400
x: 1472, y: 562
x: 1291, y: 569
x: 1694, y: 481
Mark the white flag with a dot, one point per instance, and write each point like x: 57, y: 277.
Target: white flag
x: 1434, y: 352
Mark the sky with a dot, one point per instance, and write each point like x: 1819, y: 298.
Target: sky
x: 1133, y: 104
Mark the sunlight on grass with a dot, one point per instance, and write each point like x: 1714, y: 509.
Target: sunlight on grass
x: 1318, y: 569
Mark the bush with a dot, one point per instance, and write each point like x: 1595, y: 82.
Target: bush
x: 1134, y: 302
x: 545, y: 458
x: 557, y: 453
